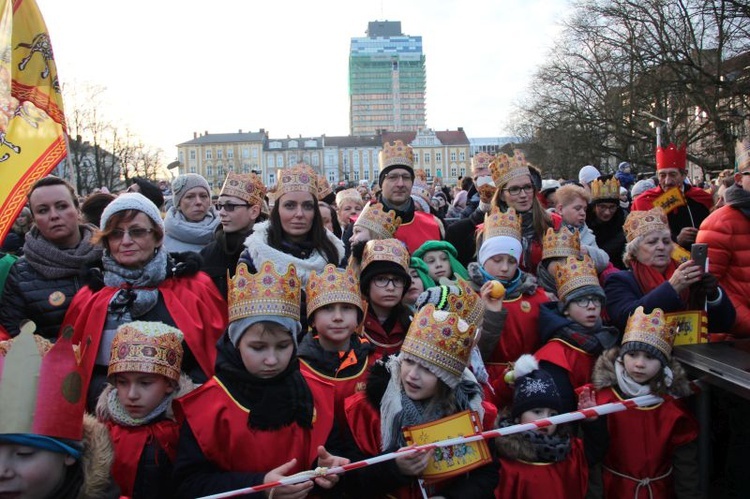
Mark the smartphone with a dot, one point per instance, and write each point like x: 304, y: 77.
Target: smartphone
x: 699, y: 253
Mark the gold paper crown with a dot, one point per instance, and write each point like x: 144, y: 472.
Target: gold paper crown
x: 385, y: 250
x: 605, y: 190
x: 437, y: 338
x: 147, y: 347
x: 381, y: 224
x: 505, y: 169
x: 574, y: 273
x: 264, y: 293
x: 468, y: 305
x: 348, y: 194
x: 299, y: 178
x: 421, y: 189
x: 396, y: 154
x: 324, y: 188
x: 561, y: 243
x: 333, y: 285
x: 640, y: 223
x: 246, y: 186
x: 654, y: 329
x: 499, y: 223
x: 481, y: 160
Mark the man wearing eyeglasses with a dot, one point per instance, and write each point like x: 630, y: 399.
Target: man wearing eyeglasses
x: 396, y: 180
x: 727, y: 233
x: 694, y: 204
x: 238, y: 206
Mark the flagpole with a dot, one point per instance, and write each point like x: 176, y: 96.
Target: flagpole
x: 600, y: 410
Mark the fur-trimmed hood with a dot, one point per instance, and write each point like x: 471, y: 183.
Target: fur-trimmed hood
x: 96, y: 463
x: 259, y: 251
x: 186, y: 386
x: 604, y: 374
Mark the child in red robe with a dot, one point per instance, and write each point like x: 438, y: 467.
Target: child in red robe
x: 549, y: 461
x: 427, y: 381
x: 333, y: 351
x: 648, y: 452
x: 260, y: 418
x: 136, y: 405
x: 510, y: 327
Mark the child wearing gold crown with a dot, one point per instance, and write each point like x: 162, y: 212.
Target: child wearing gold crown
x: 510, y: 326
x: 652, y: 448
x: 383, y: 282
x: 333, y: 351
x: 572, y: 330
x: 144, y: 377
x: 426, y: 382
x: 49, y: 448
x: 545, y: 462
x: 259, y: 418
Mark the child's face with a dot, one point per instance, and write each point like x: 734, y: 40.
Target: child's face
x: 360, y: 234
x: 418, y: 382
x: 141, y: 393
x: 266, y: 351
x: 438, y: 264
x: 585, y: 310
x: 415, y: 289
x: 502, y: 267
x: 540, y: 413
x: 346, y: 210
x: 335, y: 324
x: 386, y: 290
x: 30, y: 473
x: 641, y: 366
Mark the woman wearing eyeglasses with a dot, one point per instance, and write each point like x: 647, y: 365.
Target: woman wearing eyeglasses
x: 191, y: 221
x: 141, y: 281
x: 605, y: 216
x: 516, y: 188
x: 41, y: 284
x: 238, y: 206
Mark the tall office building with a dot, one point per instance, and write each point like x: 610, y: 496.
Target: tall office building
x: 387, y: 81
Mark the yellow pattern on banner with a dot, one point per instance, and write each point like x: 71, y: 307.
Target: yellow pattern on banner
x: 670, y: 200
x: 32, y: 120
x: 454, y: 459
x: 691, y: 327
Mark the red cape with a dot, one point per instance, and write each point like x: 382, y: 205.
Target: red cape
x: 645, y: 201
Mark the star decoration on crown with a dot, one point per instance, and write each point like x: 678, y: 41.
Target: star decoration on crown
x: 264, y: 293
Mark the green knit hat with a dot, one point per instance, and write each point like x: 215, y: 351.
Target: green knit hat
x: 450, y: 250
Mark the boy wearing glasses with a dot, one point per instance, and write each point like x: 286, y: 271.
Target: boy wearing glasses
x: 572, y: 329
x: 238, y: 206
x: 384, y: 279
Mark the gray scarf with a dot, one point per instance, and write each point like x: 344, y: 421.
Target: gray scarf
x: 56, y: 263
x: 120, y: 416
x: 190, y: 235
x: 138, y: 291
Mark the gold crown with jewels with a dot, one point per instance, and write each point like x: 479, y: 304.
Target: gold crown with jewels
x: 561, y: 243
x: 246, y: 186
x: 333, y: 285
x: 385, y: 250
x: 640, y: 223
x: 264, y: 293
x: 573, y: 273
x: 298, y: 178
x: 653, y: 329
x: 502, y: 223
x: 504, y: 169
x: 396, y: 153
x: 609, y: 189
x: 381, y: 224
x: 147, y: 347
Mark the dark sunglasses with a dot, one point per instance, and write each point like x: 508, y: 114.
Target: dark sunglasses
x: 229, y: 208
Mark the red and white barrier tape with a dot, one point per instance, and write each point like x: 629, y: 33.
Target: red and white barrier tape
x: 599, y: 410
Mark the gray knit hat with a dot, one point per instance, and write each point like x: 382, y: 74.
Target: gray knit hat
x: 132, y: 201
x: 184, y: 183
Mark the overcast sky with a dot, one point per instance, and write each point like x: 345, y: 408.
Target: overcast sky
x: 174, y: 67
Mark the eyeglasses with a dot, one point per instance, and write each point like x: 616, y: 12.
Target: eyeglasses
x: 134, y: 233
x: 395, y: 177
x: 382, y: 281
x: 229, y: 208
x: 516, y: 190
x: 607, y: 207
x: 585, y: 301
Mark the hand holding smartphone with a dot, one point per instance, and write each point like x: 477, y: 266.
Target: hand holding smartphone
x: 699, y: 255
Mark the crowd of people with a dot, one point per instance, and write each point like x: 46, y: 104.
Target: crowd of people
x: 220, y: 343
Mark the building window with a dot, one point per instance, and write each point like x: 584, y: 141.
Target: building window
x: 209, y: 170
x: 219, y: 154
x: 245, y: 168
x: 462, y: 156
x: 230, y: 153
x: 438, y: 157
x: 416, y: 158
x: 426, y: 157
x: 279, y: 161
x: 453, y: 155
x: 439, y: 173
x: 209, y: 154
x: 292, y: 159
x: 192, y: 155
x: 293, y: 144
x: 193, y: 169
x: 428, y: 171
x: 463, y: 172
x: 255, y: 153
x: 367, y: 174
x: 245, y: 153
x: 356, y: 175
x: 271, y: 179
x: 315, y: 160
x: 454, y: 172
x: 331, y: 177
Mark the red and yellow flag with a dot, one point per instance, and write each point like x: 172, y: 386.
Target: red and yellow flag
x: 32, y: 121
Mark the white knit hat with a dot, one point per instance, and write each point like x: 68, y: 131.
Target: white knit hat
x: 132, y: 201
x: 588, y: 174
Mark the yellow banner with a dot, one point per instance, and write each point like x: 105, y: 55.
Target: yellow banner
x: 691, y: 327
x: 670, y: 200
x: 32, y: 120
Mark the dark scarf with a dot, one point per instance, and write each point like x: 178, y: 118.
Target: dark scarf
x: 53, y: 262
x: 592, y: 340
x: 548, y: 448
x: 273, y: 403
x: 334, y: 364
x: 528, y: 234
x: 138, y: 288
x: 233, y: 243
x: 406, y: 215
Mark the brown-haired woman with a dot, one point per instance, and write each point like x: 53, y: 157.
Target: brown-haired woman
x: 141, y: 281
x: 41, y: 284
